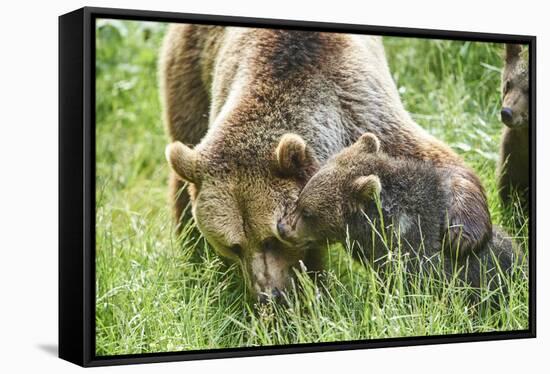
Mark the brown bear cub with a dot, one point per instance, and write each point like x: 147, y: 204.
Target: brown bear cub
x: 514, y: 148
x: 361, y: 190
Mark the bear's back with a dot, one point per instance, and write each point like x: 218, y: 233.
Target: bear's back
x: 412, y: 199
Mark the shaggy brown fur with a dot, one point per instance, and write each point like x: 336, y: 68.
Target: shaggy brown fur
x: 235, y: 92
x: 373, y: 200
x: 514, y: 148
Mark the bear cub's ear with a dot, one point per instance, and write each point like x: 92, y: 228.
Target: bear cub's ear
x: 369, y: 143
x: 512, y: 51
x: 183, y: 160
x: 294, y: 157
x: 366, y: 188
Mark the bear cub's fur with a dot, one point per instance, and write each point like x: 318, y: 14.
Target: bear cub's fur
x: 361, y: 190
x: 513, y: 167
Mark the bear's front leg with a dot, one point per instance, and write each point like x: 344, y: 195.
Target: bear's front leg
x: 469, y: 222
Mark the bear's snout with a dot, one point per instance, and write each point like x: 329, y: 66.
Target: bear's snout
x: 286, y: 230
x: 507, y: 115
x: 283, y: 230
x: 270, y: 274
x: 276, y: 295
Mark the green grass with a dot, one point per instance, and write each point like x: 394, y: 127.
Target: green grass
x: 151, y: 297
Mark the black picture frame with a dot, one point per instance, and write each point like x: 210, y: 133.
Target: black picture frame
x: 77, y: 185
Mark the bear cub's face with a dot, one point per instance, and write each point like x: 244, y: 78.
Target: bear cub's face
x: 237, y: 208
x: 334, y: 194
x: 515, y: 88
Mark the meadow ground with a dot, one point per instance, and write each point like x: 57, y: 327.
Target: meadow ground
x: 152, y: 298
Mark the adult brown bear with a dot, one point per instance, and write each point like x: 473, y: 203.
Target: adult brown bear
x: 233, y: 94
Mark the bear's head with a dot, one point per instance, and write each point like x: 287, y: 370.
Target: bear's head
x: 239, y: 193
x: 332, y: 195
x: 515, y: 87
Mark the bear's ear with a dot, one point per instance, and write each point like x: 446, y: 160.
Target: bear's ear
x: 512, y: 51
x: 369, y: 143
x: 294, y: 157
x: 366, y: 188
x: 183, y: 160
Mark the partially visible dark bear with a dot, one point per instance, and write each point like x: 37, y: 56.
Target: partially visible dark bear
x: 231, y: 94
x: 374, y: 200
x: 513, y: 171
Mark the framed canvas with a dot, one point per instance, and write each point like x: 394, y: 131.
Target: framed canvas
x: 233, y: 186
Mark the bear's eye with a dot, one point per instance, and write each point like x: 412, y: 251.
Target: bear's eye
x: 507, y: 86
x: 236, y: 250
x: 270, y: 244
x: 308, y: 214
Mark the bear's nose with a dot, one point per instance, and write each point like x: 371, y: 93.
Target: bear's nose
x: 263, y: 298
x: 275, y: 295
x: 282, y: 229
x: 506, y: 115
x: 279, y: 297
